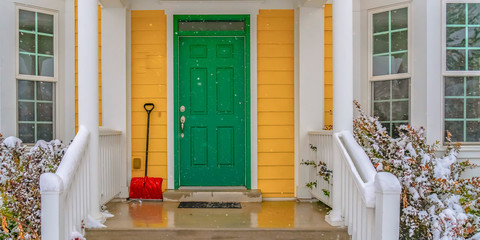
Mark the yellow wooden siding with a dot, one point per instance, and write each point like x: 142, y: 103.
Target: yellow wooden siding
x: 276, y: 99
x: 328, y: 90
x: 149, y: 84
x: 99, y: 66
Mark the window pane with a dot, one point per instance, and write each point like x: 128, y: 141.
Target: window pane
x: 456, y: 129
x: 474, y: 60
x: 399, y: 41
x: 25, y: 90
x: 380, y: 65
x: 387, y: 126
x: 454, y: 86
x: 399, y: 110
x: 26, y: 20
x: 455, y: 60
x: 45, y: 66
x: 26, y: 42
x: 395, y: 126
x: 26, y: 64
x: 380, y: 44
x: 399, y: 63
x: 473, y: 86
x: 45, y: 112
x: 455, y: 13
x: 45, y: 132
x: 26, y: 132
x: 454, y: 108
x: 400, y: 89
x: 212, y: 26
x: 45, y: 91
x: 474, y: 13
x: 473, y: 131
x: 456, y: 37
x: 26, y: 111
x: 474, y: 36
x: 473, y: 108
x: 45, y: 45
x: 399, y: 18
x: 381, y: 90
x: 382, y: 111
x: 45, y: 23
x: 380, y: 22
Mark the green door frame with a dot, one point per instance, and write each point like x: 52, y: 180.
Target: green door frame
x: 176, y: 35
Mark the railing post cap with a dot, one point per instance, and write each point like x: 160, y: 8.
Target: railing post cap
x: 386, y: 182
x: 51, y: 182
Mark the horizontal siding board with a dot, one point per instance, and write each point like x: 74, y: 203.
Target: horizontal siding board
x: 275, y: 105
x: 156, y: 118
x: 155, y: 158
x: 276, y: 145
x: 276, y: 172
x: 276, y: 118
x: 275, y: 77
x: 149, y: 91
x: 275, y: 91
x: 157, y: 131
x: 276, y: 159
x: 275, y: 51
x: 276, y: 132
x: 275, y: 37
x: 274, y: 23
x: 154, y: 144
x: 277, y: 186
x: 275, y: 64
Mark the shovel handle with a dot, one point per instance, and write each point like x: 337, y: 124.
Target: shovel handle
x: 148, y: 107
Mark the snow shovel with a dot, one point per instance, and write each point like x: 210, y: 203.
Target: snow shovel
x: 146, y: 187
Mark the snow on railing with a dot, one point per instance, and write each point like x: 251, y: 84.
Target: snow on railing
x: 321, y: 150
x: 370, y: 201
x: 110, y: 163
x: 65, y: 202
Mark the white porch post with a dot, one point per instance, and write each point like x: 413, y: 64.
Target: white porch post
x: 342, y: 12
x: 88, y: 91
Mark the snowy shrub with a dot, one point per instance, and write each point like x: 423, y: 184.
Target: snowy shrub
x: 20, y: 171
x: 435, y: 202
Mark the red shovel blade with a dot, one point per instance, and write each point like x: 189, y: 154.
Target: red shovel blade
x: 146, y: 188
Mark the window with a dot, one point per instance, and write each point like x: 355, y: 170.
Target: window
x: 36, y: 74
x: 389, y: 74
x: 462, y: 71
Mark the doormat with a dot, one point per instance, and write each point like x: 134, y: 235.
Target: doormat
x: 209, y: 205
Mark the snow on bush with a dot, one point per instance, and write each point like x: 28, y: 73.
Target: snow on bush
x: 435, y: 202
x: 20, y: 171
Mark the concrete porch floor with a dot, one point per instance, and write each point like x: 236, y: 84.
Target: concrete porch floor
x: 266, y: 220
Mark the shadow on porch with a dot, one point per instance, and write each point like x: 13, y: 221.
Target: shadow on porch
x: 267, y: 220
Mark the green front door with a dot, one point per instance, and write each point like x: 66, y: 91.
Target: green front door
x: 212, y: 111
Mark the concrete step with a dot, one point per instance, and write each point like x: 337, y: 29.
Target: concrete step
x: 212, y: 195
x: 200, y: 234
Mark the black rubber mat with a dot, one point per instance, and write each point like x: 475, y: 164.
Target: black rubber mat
x: 209, y: 205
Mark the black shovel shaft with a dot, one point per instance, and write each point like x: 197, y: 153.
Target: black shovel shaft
x: 149, y: 108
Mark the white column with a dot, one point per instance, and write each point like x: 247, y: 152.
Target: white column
x: 88, y: 90
x: 342, y: 89
x: 311, y: 95
x: 114, y: 78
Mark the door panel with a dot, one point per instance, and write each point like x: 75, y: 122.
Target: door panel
x: 212, y: 88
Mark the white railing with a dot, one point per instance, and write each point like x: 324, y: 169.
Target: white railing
x: 321, y: 150
x: 65, y: 202
x: 111, y: 163
x: 370, y: 201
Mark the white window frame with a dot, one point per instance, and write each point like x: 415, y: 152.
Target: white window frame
x: 370, y: 43
x: 53, y: 79
x: 389, y: 77
x: 446, y: 73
